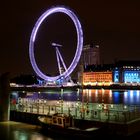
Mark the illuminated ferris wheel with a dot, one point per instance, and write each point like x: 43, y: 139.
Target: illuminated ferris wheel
x: 67, y: 70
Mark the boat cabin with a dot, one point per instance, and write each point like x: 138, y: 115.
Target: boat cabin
x: 62, y: 120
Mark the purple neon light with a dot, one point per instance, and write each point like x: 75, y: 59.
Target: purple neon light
x: 76, y: 58
x: 58, y: 61
x: 61, y: 59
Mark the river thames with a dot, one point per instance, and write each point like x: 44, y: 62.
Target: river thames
x: 22, y: 131
x: 118, y: 106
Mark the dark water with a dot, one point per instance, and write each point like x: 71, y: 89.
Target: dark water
x: 19, y: 131
x: 22, y: 131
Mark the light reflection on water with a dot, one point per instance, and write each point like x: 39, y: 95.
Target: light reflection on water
x: 21, y: 131
x: 129, y: 97
x: 11, y: 130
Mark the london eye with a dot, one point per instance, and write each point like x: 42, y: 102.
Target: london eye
x: 79, y: 45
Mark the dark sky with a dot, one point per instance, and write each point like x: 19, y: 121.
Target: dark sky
x: 113, y: 25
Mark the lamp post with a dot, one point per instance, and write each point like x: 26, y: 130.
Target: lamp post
x: 77, y: 106
x: 37, y: 106
x: 61, y: 100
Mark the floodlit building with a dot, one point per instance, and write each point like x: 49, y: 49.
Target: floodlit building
x: 127, y: 72
x: 98, y: 75
x: 97, y: 78
x: 122, y: 72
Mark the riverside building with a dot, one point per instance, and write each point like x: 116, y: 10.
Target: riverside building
x: 121, y: 72
x: 90, y: 56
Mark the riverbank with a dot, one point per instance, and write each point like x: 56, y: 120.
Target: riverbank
x: 114, y: 86
x: 75, y: 88
x: 12, y: 130
x: 42, y: 88
x: 110, y: 128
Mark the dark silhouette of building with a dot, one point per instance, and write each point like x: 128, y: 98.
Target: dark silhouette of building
x: 4, y: 97
x: 90, y: 56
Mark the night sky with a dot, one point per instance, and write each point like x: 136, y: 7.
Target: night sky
x: 113, y: 25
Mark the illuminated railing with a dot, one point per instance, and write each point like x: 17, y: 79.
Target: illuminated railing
x: 80, y: 110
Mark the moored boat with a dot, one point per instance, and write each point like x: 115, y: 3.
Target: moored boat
x: 60, y: 123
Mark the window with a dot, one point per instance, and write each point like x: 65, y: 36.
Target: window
x: 54, y: 120
x: 59, y: 121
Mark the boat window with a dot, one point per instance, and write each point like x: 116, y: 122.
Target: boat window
x: 59, y: 121
x: 67, y: 120
x: 54, y: 120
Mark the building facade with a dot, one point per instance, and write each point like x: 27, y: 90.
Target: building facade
x: 98, y: 78
x: 122, y: 72
x: 90, y: 56
x: 127, y: 72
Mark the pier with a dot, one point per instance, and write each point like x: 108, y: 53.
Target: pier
x: 120, y: 119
